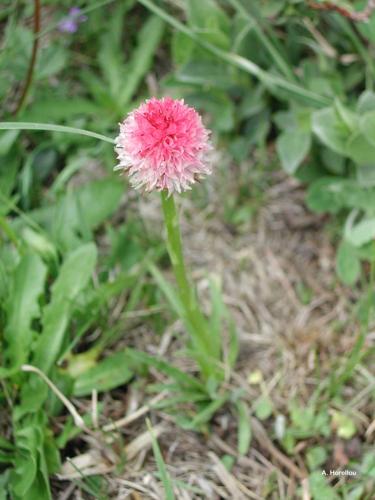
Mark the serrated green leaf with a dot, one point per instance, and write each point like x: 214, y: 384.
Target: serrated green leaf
x: 113, y: 371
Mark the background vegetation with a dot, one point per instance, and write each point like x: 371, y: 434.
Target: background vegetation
x: 87, y: 304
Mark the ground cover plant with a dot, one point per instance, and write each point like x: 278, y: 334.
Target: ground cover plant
x: 213, y: 343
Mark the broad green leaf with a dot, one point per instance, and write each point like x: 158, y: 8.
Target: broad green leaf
x: 366, y: 175
x: 4, y: 484
x: 207, y: 413
x: 26, y: 463
x: 367, y: 30
x: 319, y: 487
x: 360, y: 233
x: 29, y: 478
x: 52, y: 454
x: 5, y: 444
x: 333, y: 162
x: 77, y: 213
x: 218, y: 104
x: 74, y: 275
x: 244, y: 428
x: 292, y: 147
x: 111, y: 52
x: 315, y: 457
x: 347, y: 263
x: 344, y: 425
x: 331, y: 194
x: 98, y: 89
x: 205, y: 12
x: 7, y: 139
x: 113, y: 371
x: 40, y: 244
x: 360, y: 150
x: 9, y: 166
x: 179, y: 376
x: 207, y: 17
x: 57, y: 109
x: 331, y: 130
x: 324, y: 195
x: 367, y: 126
x: 346, y: 115
x: 182, y: 48
x: 366, y: 102
x: 52, y: 59
x: 108, y: 191
x: 205, y: 73
x: 148, y: 42
x: 274, y: 83
x: 22, y: 307
x: 263, y: 408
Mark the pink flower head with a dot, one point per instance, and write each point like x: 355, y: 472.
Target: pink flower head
x: 163, y: 145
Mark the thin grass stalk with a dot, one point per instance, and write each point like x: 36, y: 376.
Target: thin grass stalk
x: 49, y: 127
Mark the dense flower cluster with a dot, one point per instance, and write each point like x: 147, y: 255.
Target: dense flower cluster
x: 163, y: 145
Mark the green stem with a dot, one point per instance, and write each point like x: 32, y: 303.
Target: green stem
x: 175, y: 250
x: 193, y: 315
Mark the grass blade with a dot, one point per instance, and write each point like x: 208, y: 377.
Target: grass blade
x: 50, y: 127
x: 269, y: 80
x: 148, y: 42
x: 164, y: 476
x: 244, y: 428
x: 283, y: 66
x: 179, y: 376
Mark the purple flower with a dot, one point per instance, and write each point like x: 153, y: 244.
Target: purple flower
x: 69, y: 24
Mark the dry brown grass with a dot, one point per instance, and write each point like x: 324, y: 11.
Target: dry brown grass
x: 261, y: 266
